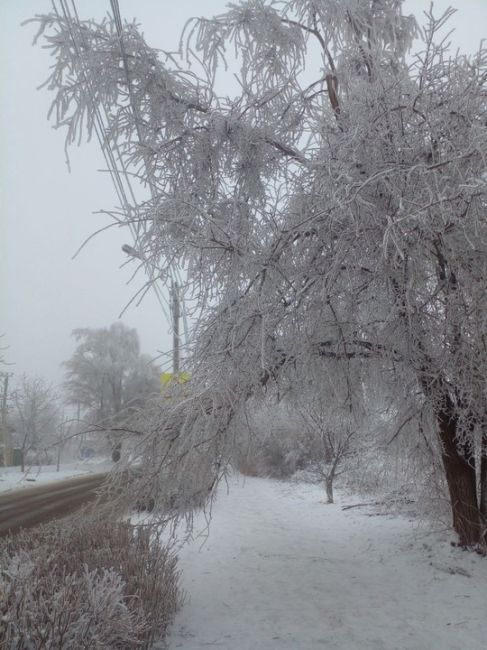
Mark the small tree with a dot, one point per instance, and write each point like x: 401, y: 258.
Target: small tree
x: 334, y: 434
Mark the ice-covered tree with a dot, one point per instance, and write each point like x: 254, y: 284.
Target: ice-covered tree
x: 334, y: 433
x: 332, y: 212
x: 107, y: 374
x: 34, y: 418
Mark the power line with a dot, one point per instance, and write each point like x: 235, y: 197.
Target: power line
x: 176, y: 299
x: 110, y: 150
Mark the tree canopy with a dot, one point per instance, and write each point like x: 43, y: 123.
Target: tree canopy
x: 107, y: 374
x: 333, y: 212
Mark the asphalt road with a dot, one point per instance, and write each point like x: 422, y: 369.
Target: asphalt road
x: 31, y: 506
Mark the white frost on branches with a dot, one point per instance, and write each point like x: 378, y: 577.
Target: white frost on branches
x: 331, y: 213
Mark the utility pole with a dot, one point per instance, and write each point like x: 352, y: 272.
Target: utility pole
x: 174, y: 307
x: 175, y: 329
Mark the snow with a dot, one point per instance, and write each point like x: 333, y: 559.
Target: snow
x: 11, y: 478
x: 281, y: 569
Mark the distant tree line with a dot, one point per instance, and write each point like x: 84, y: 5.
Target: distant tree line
x: 106, y: 379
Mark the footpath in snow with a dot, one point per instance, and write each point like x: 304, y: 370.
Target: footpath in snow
x: 281, y: 570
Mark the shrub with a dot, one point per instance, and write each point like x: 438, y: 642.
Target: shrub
x: 86, y: 583
x: 276, y: 452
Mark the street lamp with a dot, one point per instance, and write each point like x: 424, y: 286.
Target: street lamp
x: 130, y: 250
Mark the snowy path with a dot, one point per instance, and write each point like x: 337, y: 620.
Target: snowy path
x: 283, y: 571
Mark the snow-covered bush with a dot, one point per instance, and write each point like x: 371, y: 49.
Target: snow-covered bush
x: 273, y: 442
x: 88, y: 583
x: 404, y: 474
x: 275, y: 455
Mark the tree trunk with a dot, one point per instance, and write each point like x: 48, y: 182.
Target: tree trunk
x: 329, y: 489
x: 328, y: 454
x: 461, y: 481
x: 459, y: 468
x: 59, y: 450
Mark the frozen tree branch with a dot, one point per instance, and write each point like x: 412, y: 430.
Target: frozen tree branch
x: 336, y: 222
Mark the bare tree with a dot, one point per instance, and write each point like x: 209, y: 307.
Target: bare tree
x: 335, y: 435
x: 333, y: 213
x: 35, y: 417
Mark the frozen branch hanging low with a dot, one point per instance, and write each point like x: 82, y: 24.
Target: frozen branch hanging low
x: 331, y: 213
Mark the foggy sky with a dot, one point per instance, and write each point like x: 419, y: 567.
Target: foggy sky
x: 47, y: 213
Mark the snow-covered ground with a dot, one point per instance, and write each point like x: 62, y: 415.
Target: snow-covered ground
x: 281, y: 570
x: 11, y: 478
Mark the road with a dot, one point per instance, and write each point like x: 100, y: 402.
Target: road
x: 31, y: 506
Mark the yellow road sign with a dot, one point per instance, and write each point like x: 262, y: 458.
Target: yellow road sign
x: 169, y: 381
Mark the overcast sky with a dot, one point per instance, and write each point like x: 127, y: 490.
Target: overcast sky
x: 46, y: 212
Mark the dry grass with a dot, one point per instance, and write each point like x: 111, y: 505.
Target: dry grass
x: 86, y: 583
